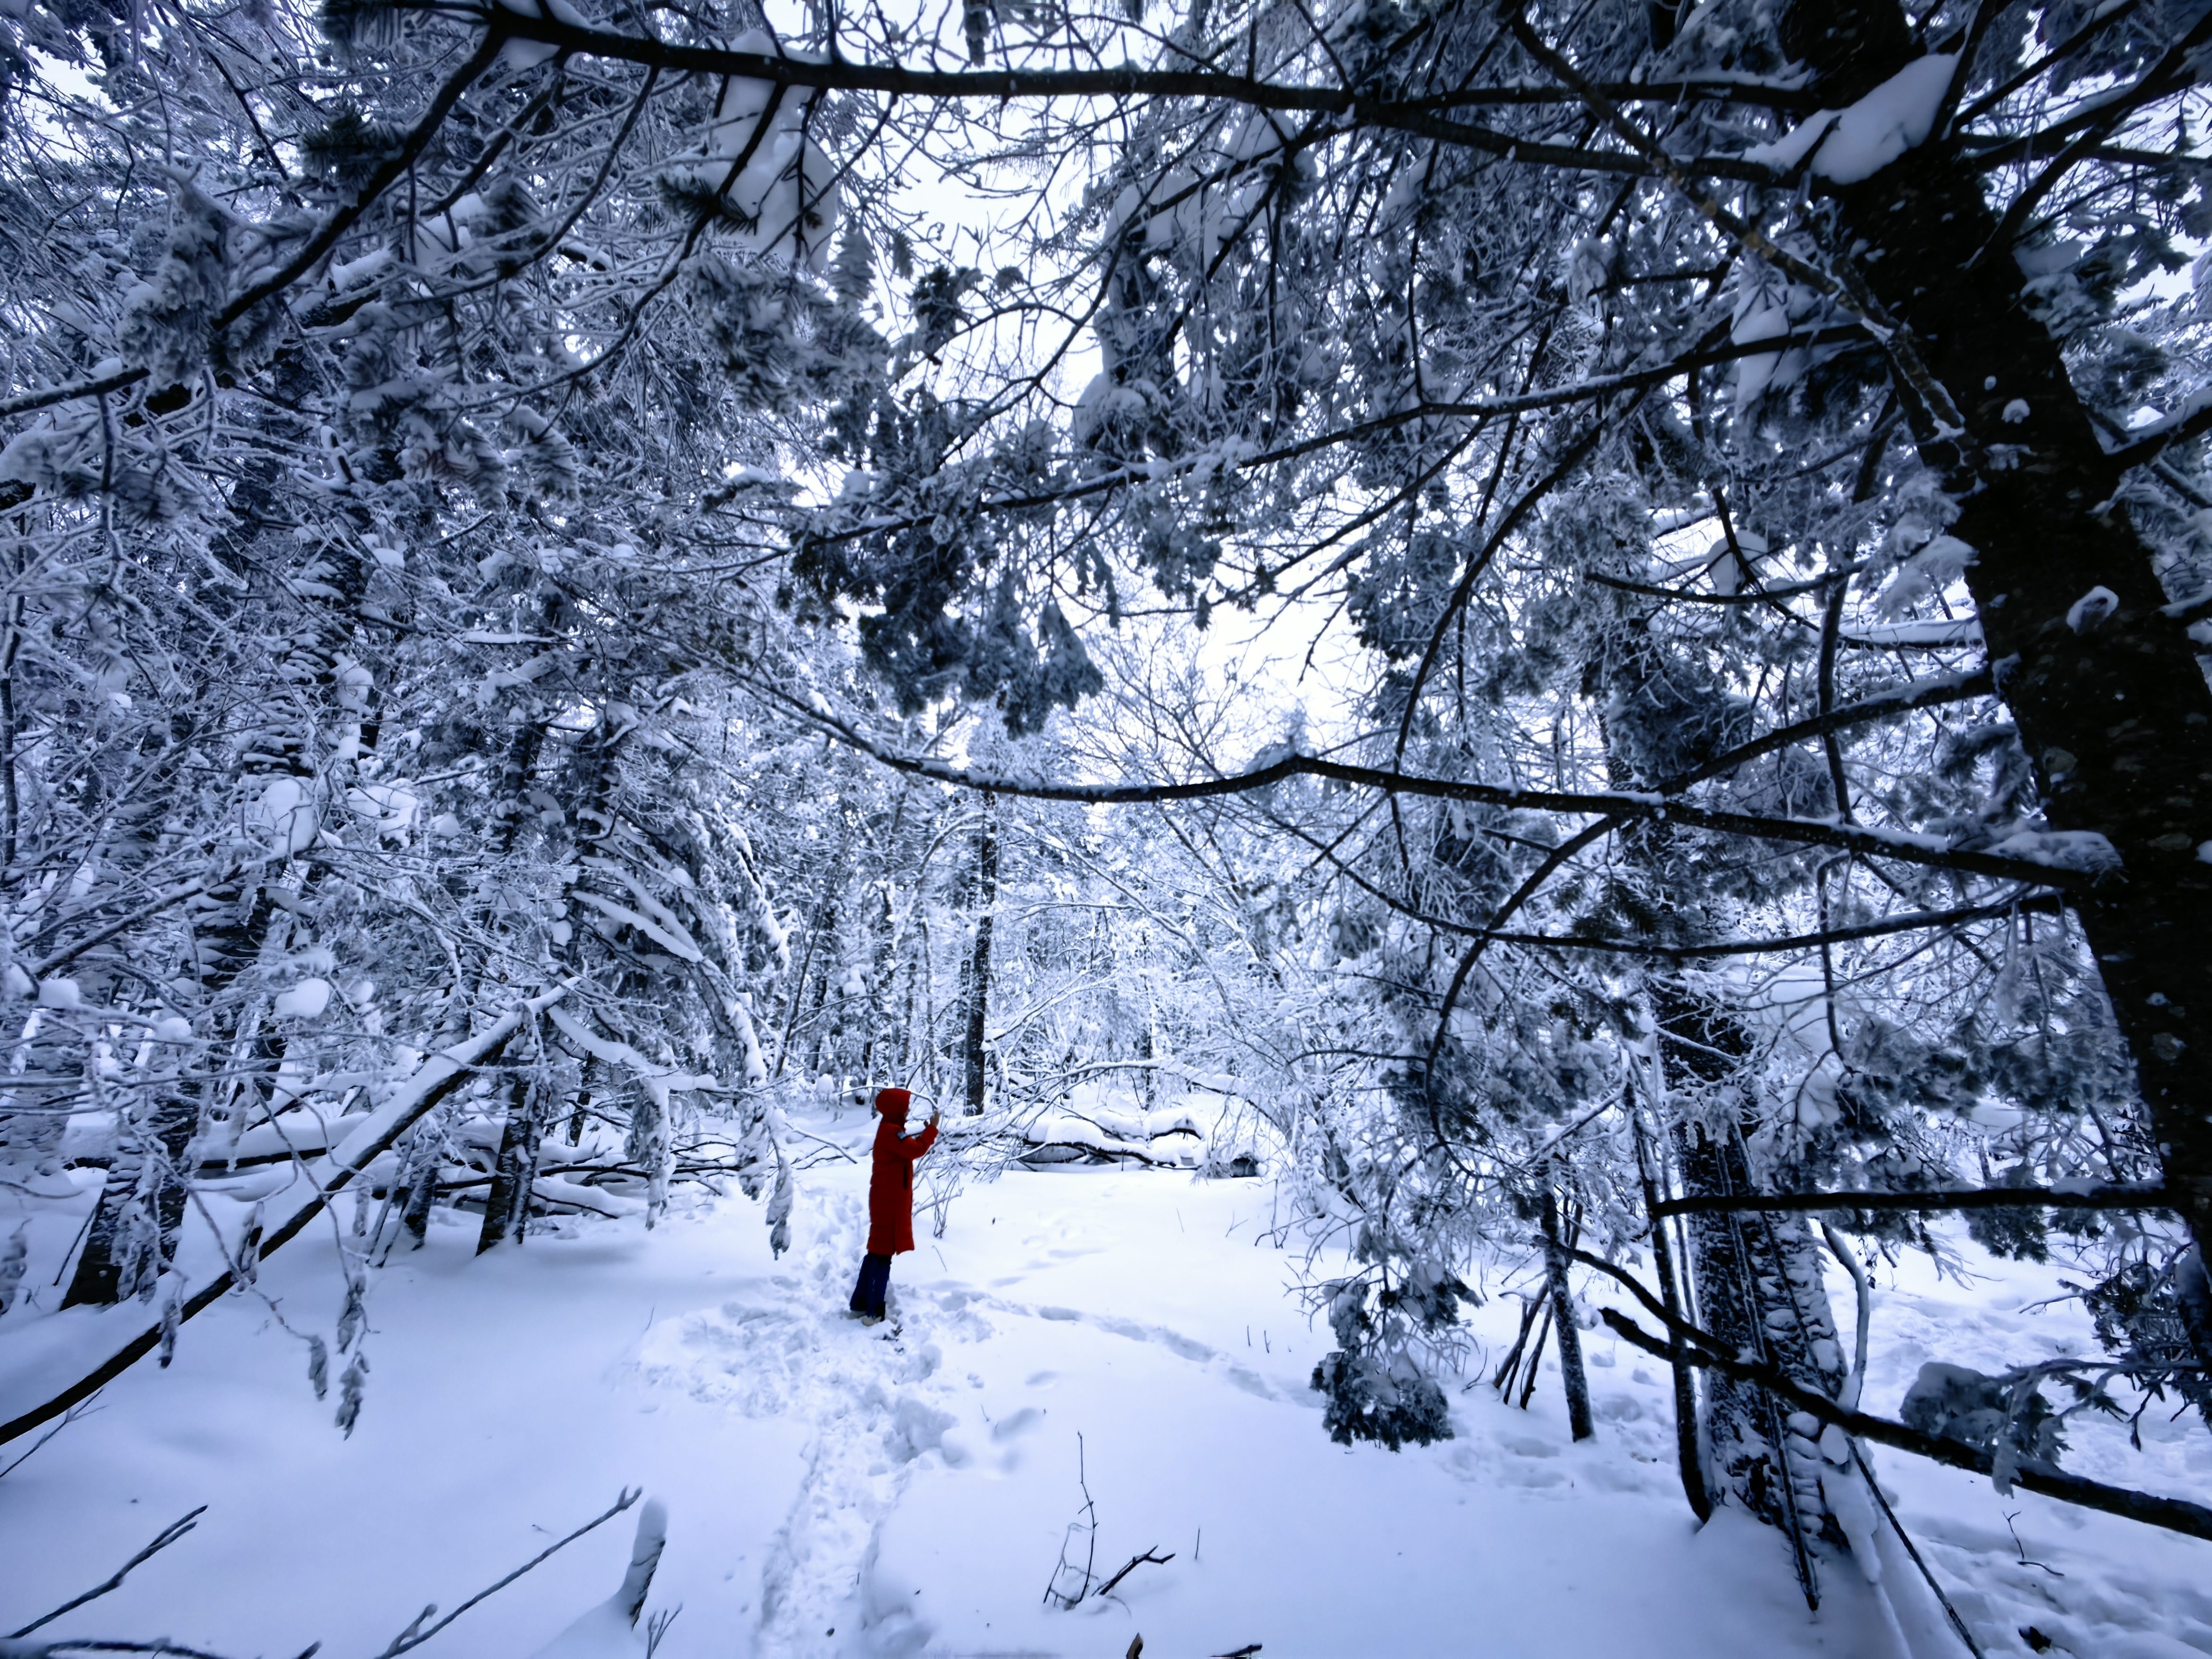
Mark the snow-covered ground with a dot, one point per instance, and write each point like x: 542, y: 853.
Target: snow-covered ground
x: 833, y: 1489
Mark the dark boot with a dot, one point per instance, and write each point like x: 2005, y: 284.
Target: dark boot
x: 875, y: 1280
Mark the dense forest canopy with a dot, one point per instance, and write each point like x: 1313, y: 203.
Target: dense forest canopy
x: 573, y: 568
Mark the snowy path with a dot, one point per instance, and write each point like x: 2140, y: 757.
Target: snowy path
x: 837, y: 1491
x: 869, y: 1399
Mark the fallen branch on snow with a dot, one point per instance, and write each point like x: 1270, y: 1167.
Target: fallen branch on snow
x: 415, y: 1635
x: 437, y: 1077
x: 1135, y: 1561
x: 2173, y: 1513
x: 628, y: 1601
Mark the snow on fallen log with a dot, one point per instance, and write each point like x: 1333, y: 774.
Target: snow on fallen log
x: 1081, y: 1136
x: 372, y: 1135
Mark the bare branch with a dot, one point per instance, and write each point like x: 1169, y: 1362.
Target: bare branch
x: 410, y: 1638
x: 1902, y: 846
x: 1972, y: 1198
x: 168, y: 1535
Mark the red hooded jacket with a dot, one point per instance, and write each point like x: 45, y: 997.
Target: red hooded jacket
x: 890, y: 1184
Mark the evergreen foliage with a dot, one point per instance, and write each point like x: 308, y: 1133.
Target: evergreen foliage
x: 500, y: 502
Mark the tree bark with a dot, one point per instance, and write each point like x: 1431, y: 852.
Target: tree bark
x: 1572, y: 1374
x: 1746, y: 1272
x: 979, y: 961
x: 1688, y: 1459
x: 2113, y: 709
x: 507, y: 1209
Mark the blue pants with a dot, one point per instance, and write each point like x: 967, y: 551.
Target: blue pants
x: 875, y: 1280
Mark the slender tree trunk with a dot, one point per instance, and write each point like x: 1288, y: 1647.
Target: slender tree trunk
x: 1572, y: 1374
x: 507, y: 1208
x: 240, y: 916
x: 797, y: 994
x: 9, y: 818
x: 1687, y: 1456
x: 2108, y: 694
x: 818, y: 1034
x: 979, y: 962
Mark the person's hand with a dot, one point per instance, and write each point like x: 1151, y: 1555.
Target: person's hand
x: 934, y: 1116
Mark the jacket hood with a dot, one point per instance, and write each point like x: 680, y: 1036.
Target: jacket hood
x: 893, y: 1102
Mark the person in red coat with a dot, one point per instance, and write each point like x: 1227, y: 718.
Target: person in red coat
x: 891, y: 1198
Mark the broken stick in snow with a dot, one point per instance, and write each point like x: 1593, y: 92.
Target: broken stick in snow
x: 1135, y: 1561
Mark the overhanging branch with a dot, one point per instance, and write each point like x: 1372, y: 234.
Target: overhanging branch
x: 1969, y: 1198
x: 2174, y: 1513
x: 1901, y: 846
x: 843, y: 74
x: 1907, y: 921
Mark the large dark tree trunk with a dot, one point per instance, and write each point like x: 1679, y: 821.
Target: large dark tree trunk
x: 2108, y: 695
x: 979, y: 960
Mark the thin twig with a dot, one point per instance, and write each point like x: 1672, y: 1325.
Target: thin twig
x: 1135, y: 1561
x: 169, y: 1534
x: 410, y: 1638
x: 83, y: 1408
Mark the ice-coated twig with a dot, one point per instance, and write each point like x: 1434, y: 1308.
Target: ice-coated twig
x: 168, y: 1535
x: 411, y: 1637
x: 83, y: 1408
x: 656, y: 1629
x: 1052, y: 1591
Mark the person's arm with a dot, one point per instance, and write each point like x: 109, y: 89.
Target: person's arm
x: 917, y: 1145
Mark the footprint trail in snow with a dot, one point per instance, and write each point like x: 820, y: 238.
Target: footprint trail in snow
x: 867, y: 1396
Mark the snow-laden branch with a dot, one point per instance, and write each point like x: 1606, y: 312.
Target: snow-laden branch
x: 2174, y: 1513
x: 839, y: 74
x: 2083, y: 1197
x: 394, y: 168
x: 1930, y: 693
x: 2191, y: 419
x: 375, y: 1134
x: 2047, y: 860
x: 1167, y: 468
